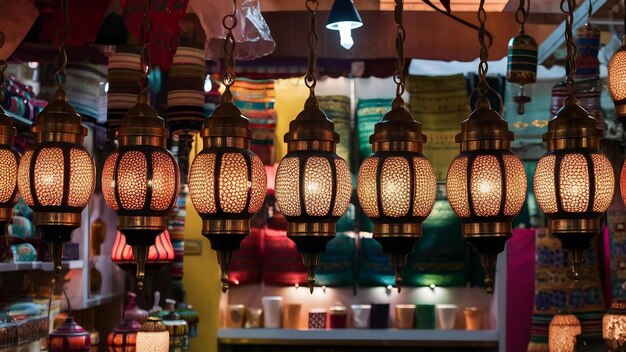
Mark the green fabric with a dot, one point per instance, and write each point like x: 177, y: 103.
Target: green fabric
x: 374, y: 267
x: 337, y: 263
x: 368, y: 113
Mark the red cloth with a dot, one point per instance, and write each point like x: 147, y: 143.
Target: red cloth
x: 520, y: 289
x: 165, y: 16
x: 247, y: 264
x: 84, y: 18
x: 282, y: 264
x: 16, y: 18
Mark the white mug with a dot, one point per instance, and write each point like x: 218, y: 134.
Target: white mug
x: 361, y: 316
x: 446, y: 316
x: 272, y: 311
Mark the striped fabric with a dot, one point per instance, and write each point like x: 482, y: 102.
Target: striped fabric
x: 337, y: 108
x: 85, y: 90
x: 256, y: 100
x: 123, y: 74
x: 159, y: 254
x: 185, y: 91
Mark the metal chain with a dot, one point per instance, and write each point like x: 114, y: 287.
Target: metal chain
x: 483, y: 66
x: 399, y: 76
x: 572, y: 49
x: 3, y: 67
x: 230, y: 22
x: 144, y: 59
x: 60, y: 61
x: 309, y: 79
x: 521, y: 15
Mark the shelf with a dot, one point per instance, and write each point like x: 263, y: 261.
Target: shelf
x: 45, y: 266
x: 99, y: 299
x: 366, y: 337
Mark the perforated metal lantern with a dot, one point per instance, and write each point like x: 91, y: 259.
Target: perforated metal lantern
x: 159, y: 254
x: 56, y: 175
x: 69, y: 337
x: 563, y: 332
x: 574, y: 180
x: 9, y: 161
x: 397, y: 185
x: 486, y: 184
x: 140, y: 180
x: 313, y: 184
x: 227, y: 182
x: 614, y: 326
x: 153, y: 336
x: 617, y: 80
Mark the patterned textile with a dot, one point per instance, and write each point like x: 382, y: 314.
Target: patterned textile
x: 337, y: 263
x: 337, y: 108
x: 164, y: 36
x: 282, y: 264
x: 587, y: 91
x: 123, y: 74
x: 185, y: 91
x: 585, y: 298
x: 256, y: 100
x: 247, y: 264
x: 440, y: 104
x: 374, y: 267
x: 85, y: 90
x: 84, y: 18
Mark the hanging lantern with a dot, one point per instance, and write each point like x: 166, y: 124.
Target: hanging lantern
x: 617, y: 79
x: 140, y: 180
x: 522, y: 57
x: 9, y: 158
x: 396, y: 183
x: 486, y: 182
x: 313, y: 184
x: 614, y: 326
x: 227, y: 182
x: 69, y: 337
x: 574, y: 180
x: 124, y: 337
x: 153, y: 336
x: 159, y: 254
x: 56, y: 174
x: 562, y: 333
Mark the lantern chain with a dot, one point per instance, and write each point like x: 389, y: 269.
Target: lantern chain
x: 309, y: 80
x: 483, y: 66
x: 521, y: 15
x: 144, y: 60
x: 63, y: 33
x: 399, y: 76
x: 3, y: 67
x: 230, y: 22
x: 572, y: 49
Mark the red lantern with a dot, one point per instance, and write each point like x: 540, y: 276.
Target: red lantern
x: 159, y: 254
x: 69, y: 337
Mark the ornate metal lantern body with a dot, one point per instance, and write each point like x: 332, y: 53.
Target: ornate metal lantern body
x: 614, y: 327
x: 617, y: 80
x: 159, y: 254
x: 562, y: 333
x: 69, y: 337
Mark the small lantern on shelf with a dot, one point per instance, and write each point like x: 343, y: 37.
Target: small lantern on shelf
x: 69, y: 337
x: 614, y: 326
x: 153, y: 336
x: 562, y: 333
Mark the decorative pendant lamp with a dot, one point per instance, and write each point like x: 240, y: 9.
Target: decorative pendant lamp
x: 160, y: 253
x: 574, y: 180
x: 124, y: 337
x: 617, y: 78
x: 486, y: 182
x: 396, y: 183
x: 9, y: 158
x: 313, y: 184
x: 227, y: 182
x: 153, y: 336
x: 176, y: 326
x: 140, y: 179
x: 344, y: 18
x: 56, y: 174
x: 522, y: 57
x: 614, y: 326
x: 563, y: 331
x: 69, y: 337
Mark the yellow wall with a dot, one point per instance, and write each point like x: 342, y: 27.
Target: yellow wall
x: 290, y: 93
x: 201, y: 279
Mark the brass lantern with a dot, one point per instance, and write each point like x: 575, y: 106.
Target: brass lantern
x: 140, y: 180
x: 313, y: 184
x: 614, y: 326
x: 9, y: 160
x: 486, y: 182
x: 563, y: 332
x: 227, y: 182
x: 617, y: 80
x: 396, y: 183
x: 56, y: 175
x: 522, y: 57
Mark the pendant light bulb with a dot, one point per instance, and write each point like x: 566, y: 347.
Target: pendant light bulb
x: 344, y: 17
x: 345, y: 35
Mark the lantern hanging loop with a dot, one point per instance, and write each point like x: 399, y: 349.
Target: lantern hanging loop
x: 60, y: 61
x: 309, y: 79
x: 399, y: 77
x: 144, y: 58
x: 3, y: 67
x: 229, y: 22
x: 483, y: 65
x: 521, y: 15
x: 572, y: 50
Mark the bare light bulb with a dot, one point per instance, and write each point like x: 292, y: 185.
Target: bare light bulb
x: 345, y: 35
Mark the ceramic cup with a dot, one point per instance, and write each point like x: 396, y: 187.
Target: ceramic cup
x: 425, y: 316
x: 338, y: 317
x: 379, y: 318
x: 272, y: 311
x: 473, y: 318
x: 291, y: 316
x: 361, y: 316
x: 446, y: 316
x: 236, y: 316
x: 253, y: 318
x: 405, y: 316
x: 317, y: 319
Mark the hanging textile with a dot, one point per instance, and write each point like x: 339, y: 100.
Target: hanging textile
x: 375, y: 270
x: 252, y: 34
x: 440, y: 104
x: 337, y: 263
x: 124, y: 71
x: 185, y: 91
x: 84, y: 18
x: 16, y: 19
x: 256, y: 99
x: 85, y: 91
x: 165, y: 16
x: 337, y: 108
x: 555, y: 291
x: 247, y: 264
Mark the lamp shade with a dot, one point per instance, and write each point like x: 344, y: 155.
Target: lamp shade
x: 69, y: 337
x: 9, y: 161
x: 562, y: 333
x: 614, y: 326
x: 343, y: 12
x: 617, y: 80
x: 153, y: 336
x: 159, y: 254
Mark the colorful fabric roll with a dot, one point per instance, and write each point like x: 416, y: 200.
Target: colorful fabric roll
x: 124, y: 71
x: 440, y: 104
x: 588, y: 43
x: 85, y: 90
x: 368, y: 113
x: 587, y: 91
x: 336, y: 266
x: 375, y: 270
x: 185, y: 93
x: 256, y: 100
x: 337, y: 108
